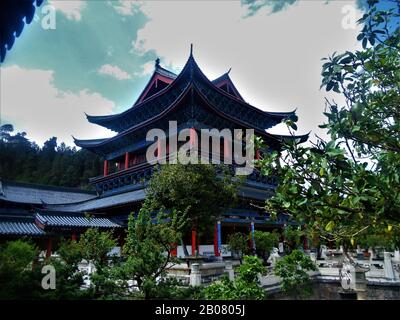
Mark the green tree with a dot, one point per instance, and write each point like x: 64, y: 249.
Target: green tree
x: 265, y: 242
x: 59, y: 165
x: 292, y: 269
x: 147, y: 250
x: 95, y: 246
x: 349, y: 185
x: 198, y: 193
x: 68, y: 277
x: 20, y: 276
x: 292, y: 237
x: 246, y: 285
x: 5, y: 131
x: 383, y: 238
x: 238, y: 244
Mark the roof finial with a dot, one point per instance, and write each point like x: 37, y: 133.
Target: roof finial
x: 191, y: 49
x: 229, y: 70
x: 157, y: 62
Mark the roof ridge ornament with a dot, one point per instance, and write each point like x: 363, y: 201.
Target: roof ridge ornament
x: 157, y: 64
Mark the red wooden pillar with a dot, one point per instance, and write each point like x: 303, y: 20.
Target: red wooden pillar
x: 73, y: 236
x: 193, y: 140
x: 216, y: 249
x: 305, y: 243
x: 227, y: 151
x: 174, y: 250
x: 121, y: 240
x: 258, y: 154
x: 193, y: 137
x: 105, y: 169
x: 126, y: 160
x: 194, y: 244
x: 48, y: 249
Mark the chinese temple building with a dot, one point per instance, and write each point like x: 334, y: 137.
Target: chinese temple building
x: 23, y: 213
x: 195, y: 103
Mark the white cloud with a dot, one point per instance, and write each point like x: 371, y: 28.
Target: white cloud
x: 125, y: 7
x: 70, y: 8
x: 114, y: 71
x: 31, y: 103
x: 146, y: 69
x: 139, y: 46
x: 275, y: 59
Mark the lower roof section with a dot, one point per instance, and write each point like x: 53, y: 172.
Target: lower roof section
x: 72, y: 220
x: 44, y: 223
x: 113, y: 200
x: 19, y: 226
x: 27, y: 193
x: 101, y: 202
x: 254, y: 193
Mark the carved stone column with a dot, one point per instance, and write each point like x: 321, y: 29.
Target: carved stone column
x: 195, y: 275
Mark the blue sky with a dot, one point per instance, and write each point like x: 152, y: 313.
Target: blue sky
x: 101, y: 54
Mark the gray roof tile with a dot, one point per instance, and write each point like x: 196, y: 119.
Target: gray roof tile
x: 37, y: 194
x: 19, y: 226
x: 101, y: 202
x: 59, y: 219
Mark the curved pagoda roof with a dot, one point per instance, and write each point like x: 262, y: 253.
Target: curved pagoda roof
x: 165, y: 90
x: 225, y: 83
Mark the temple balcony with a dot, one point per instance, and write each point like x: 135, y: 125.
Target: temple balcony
x: 137, y: 176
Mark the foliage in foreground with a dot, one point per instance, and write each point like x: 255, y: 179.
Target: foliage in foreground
x: 292, y: 269
x: 19, y: 277
x: 196, y: 193
x: 245, y: 286
x: 265, y: 242
x: 238, y: 244
x: 350, y: 185
x: 147, y: 252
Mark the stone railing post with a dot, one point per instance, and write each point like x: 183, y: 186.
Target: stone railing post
x: 397, y: 255
x: 229, y: 270
x: 360, y: 282
x: 313, y: 257
x: 387, y: 266
x: 195, y: 275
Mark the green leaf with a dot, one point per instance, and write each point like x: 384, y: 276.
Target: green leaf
x: 364, y: 43
x: 330, y: 86
x: 330, y: 226
x: 334, y: 152
x: 371, y: 39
